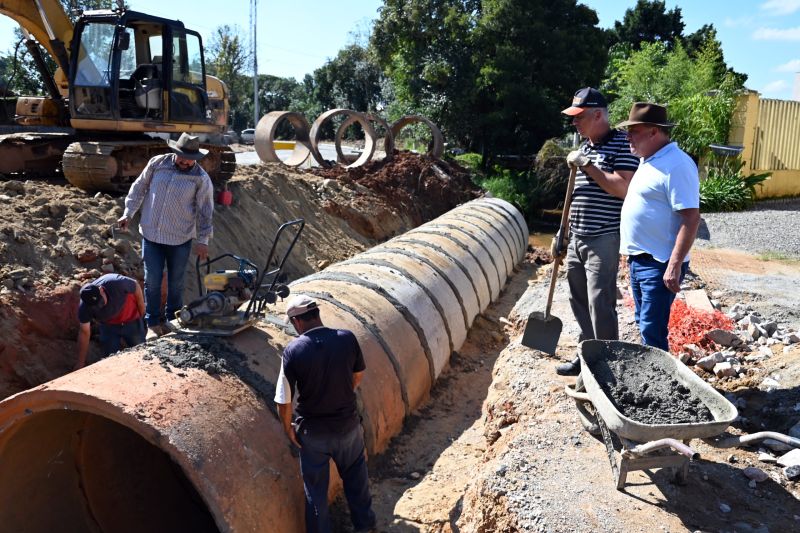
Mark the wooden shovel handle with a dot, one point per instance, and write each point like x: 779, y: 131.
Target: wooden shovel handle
x: 563, y: 230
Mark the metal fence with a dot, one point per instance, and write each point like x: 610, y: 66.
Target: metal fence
x: 776, y: 144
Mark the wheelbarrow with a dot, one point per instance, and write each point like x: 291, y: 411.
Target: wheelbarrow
x: 633, y: 445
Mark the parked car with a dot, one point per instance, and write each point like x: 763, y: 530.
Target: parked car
x: 230, y: 137
x: 248, y: 136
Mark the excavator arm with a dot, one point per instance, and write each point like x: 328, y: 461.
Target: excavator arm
x: 47, y: 22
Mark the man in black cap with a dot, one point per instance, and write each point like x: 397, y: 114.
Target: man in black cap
x: 659, y: 219
x: 605, y: 167
x: 322, y: 368
x: 176, y: 198
x: 117, y: 303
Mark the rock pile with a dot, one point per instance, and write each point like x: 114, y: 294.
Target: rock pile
x: 753, y: 339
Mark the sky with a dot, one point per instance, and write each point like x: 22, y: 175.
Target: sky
x: 759, y: 37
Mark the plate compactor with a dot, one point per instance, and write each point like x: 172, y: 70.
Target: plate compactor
x: 223, y: 293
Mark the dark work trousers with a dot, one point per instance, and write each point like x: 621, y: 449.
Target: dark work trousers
x: 112, y: 335
x: 347, y: 452
x: 592, y: 264
x: 652, y: 298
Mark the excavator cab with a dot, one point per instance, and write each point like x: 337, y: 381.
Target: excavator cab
x: 137, y: 69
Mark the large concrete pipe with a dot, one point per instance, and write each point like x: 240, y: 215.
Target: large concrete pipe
x: 181, y: 434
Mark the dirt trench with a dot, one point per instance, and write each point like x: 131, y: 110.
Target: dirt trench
x: 499, y: 447
x: 54, y: 238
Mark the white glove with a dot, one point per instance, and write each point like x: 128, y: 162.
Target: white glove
x: 578, y: 159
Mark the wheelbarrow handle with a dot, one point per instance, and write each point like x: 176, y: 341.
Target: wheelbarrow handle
x: 572, y: 393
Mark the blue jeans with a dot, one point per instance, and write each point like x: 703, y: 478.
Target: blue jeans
x: 155, y: 256
x: 347, y: 452
x: 652, y: 298
x: 112, y: 335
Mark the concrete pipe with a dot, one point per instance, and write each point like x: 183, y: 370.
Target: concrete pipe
x: 360, y: 118
x: 437, y: 145
x: 163, y: 438
x: 264, y: 141
x: 388, y: 139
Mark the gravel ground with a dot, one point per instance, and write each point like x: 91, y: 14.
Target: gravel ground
x: 769, y: 226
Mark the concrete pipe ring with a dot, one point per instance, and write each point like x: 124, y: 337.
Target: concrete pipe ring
x: 388, y: 139
x: 369, y: 136
x: 265, y: 138
x: 437, y: 150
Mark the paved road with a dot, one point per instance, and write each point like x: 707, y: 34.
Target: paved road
x: 328, y: 151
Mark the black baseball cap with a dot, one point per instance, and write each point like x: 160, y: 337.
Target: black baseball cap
x: 584, y: 98
x: 90, y: 295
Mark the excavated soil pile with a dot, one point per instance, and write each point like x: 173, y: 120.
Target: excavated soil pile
x: 420, y: 186
x: 54, y: 238
x: 642, y: 387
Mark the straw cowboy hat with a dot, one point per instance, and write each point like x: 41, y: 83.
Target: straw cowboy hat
x: 188, y: 147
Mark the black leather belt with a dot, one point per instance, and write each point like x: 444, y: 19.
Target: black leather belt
x: 643, y: 256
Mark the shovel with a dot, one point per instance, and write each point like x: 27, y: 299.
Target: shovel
x: 543, y: 330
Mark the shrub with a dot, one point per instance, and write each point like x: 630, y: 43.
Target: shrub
x: 469, y: 160
x: 725, y: 188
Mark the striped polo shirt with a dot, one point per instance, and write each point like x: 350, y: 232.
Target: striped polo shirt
x: 176, y: 205
x: 593, y: 211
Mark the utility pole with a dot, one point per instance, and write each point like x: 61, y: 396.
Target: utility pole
x: 253, y: 33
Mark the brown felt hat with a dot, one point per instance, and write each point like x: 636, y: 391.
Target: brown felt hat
x: 647, y: 113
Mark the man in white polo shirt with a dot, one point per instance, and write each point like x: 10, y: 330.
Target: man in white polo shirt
x: 660, y: 218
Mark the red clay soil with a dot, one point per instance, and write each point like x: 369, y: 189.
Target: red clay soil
x: 419, y: 186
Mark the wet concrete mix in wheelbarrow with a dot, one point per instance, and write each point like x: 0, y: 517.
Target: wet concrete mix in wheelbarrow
x: 644, y: 389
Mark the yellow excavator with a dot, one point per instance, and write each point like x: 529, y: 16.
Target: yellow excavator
x: 121, y: 77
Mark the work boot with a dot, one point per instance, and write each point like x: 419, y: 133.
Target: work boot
x: 573, y: 368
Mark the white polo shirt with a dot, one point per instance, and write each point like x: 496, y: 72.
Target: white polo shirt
x: 666, y: 182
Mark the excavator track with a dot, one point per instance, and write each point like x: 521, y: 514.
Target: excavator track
x: 33, y: 155
x: 111, y: 166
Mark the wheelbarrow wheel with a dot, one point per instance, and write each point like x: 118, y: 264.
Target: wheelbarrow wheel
x: 588, y: 419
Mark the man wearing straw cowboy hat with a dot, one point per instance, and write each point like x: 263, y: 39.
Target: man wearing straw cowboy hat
x: 176, y: 198
x: 660, y: 217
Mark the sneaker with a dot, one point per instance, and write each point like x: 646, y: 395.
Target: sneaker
x: 573, y: 368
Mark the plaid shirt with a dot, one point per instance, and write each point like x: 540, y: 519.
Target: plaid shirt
x: 176, y: 206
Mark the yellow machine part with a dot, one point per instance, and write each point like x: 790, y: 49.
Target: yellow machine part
x: 37, y: 111
x: 218, y: 281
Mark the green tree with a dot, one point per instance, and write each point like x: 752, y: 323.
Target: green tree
x: 699, y: 97
x: 648, y: 22
x: 227, y: 57
x: 533, y: 55
x: 426, y: 49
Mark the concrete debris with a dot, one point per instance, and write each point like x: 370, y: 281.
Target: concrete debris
x: 698, y: 299
x: 724, y: 369
x: 708, y: 362
x: 792, y: 472
x: 791, y: 458
x: 764, y: 457
x: 769, y: 384
x: 724, y: 338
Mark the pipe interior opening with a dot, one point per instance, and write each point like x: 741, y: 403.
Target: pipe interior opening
x: 72, y: 471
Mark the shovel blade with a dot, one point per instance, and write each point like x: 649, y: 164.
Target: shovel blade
x: 542, y: 333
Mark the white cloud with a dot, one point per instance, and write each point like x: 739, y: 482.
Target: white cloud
x: 776, y: 34
x: 780, y: 7
x: 738, y: 22
x: 791, y: 66
x: 775, y: 87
